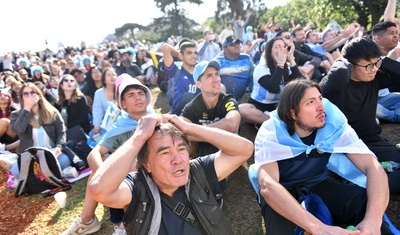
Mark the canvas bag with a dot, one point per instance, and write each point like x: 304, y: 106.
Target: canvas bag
x: 39, y: 170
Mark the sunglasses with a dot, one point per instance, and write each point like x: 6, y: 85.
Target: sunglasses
x: 68, y: 80
x: 287, y: 37
x: 233, y: 44
x: 25, y: 93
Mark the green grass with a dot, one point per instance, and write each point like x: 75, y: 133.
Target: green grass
x: 62, y: 218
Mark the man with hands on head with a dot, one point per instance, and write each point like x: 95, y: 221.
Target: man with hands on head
x: 161, y: 148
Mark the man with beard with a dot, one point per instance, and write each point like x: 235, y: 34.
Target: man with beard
x: 128, y: 67
x: 292, y: 150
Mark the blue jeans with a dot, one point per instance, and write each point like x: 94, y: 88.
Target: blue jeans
x: 63, y: 160
x: 388, y: 107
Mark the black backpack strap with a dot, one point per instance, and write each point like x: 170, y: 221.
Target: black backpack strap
x: 179, y: 208
x: 203, y: 199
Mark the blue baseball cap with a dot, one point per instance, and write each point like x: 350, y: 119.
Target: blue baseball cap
x: 202, y: 66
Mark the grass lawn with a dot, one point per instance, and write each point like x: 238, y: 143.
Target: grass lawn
x: 33, y: 214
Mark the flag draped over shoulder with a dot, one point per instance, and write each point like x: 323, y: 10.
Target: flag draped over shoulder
x: 123, y: 124
x: 273, y: 143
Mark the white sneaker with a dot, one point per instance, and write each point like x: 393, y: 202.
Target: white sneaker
x: 119, y: 231
x: 79, y: 228
x: 70, y: 172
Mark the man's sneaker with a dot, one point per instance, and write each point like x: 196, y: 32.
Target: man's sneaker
x: 119, y: 231
x: 79, y: 228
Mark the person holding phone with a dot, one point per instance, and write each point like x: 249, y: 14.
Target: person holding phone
x: 269, y: 79
x: 208, y: 49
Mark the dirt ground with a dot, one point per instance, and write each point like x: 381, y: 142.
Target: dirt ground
x: 240, y: 205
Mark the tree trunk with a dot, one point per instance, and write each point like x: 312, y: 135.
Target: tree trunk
x: 376, y: 9
x: 237, y: 6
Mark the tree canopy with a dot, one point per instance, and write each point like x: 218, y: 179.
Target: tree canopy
x: 176, y: 20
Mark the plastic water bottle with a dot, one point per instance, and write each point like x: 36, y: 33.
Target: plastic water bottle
x: 64, y: 115
x: 351, y: 227
x: 390, y: 166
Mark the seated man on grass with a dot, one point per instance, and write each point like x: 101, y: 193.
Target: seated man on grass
x: 212, y: 107
x: 160, y: 147
x: 134, y: 100
x: 293, y: 148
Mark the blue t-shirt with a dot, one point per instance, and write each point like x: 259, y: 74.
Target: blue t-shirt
x: 236, y: 74
x: 308, y: 169
x: 177, y: 87
x: 317, y: 48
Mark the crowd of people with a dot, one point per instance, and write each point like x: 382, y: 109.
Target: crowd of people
x: 316, y: 98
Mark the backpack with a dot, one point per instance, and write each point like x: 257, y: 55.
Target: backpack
x: 138, y: 215
x: 315, y: 205
x: 162, y: 79
x: 39, y: 171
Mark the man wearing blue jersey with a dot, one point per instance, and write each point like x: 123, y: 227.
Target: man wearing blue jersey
x: 236, y: 68
x: 181, y: 86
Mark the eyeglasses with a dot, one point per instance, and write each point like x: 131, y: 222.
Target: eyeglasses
x: 287, y: 37
x: 369, y: 67
x: 25, y: 93
x: 68, y: 80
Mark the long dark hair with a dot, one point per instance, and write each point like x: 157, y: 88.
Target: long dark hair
x: 271, y: 63
x: 9, y: 107
x: 289, y: 99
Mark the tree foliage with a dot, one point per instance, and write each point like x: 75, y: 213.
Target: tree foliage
x: 321, y: 12
x: 227, y: 9
x: 175, y: 20
x: 128, y: 28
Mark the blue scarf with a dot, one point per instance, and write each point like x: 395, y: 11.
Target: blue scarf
x: 273, y: 143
